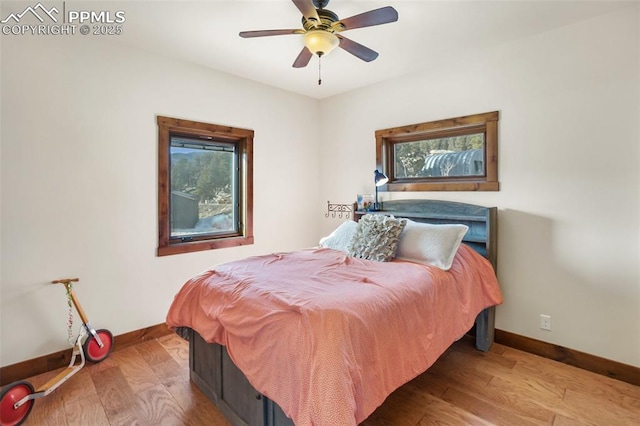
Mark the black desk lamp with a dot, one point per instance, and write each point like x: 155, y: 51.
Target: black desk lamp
x: 379, y: 179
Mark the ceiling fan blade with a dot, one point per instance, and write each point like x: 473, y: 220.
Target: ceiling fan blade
x: 308, y: 11
x: 384, y: 15
x: 356, y: 49
x: 265, y: 33
x: 303, y: 58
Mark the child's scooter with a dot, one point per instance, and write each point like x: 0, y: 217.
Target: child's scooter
x: 16, y: 399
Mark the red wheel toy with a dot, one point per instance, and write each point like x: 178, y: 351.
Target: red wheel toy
x: 16, y: 399
x: 11, y: 415
x: 92, y: 350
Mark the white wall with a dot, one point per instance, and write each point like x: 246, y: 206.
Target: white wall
x: 79, y: 181
x: 569, y: 217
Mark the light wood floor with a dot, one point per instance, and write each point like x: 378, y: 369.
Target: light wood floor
x: 148, y: 384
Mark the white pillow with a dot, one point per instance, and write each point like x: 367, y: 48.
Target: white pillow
x: 340, y: 238
x: 435, y: 245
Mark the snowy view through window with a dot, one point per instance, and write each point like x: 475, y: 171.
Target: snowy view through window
x: 202, y: 188
x: 449, y: 156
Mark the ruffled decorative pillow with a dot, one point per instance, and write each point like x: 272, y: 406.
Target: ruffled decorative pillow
x: 376, y: 237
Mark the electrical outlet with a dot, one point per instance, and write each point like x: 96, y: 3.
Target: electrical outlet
x: 545, y: 322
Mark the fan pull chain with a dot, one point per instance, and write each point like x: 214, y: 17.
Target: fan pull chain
x: 319, y: 69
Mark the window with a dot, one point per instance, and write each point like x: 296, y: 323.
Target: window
x: 205, y: 186
x: 456, y: 154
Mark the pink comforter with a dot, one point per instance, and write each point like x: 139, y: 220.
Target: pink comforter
x: 327, y: 336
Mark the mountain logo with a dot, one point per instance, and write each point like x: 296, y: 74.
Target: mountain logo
x: 38, y: 11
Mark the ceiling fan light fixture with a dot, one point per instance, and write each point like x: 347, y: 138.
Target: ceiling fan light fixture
x: 320, y: 42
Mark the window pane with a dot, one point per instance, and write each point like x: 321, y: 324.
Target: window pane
x: 203, y: 188
x: 449, y: 156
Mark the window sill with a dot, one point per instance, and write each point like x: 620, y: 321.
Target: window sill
x: 180, y: 248
x: 443, y: 186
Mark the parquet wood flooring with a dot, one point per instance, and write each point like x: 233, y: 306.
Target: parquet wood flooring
x: 148, y: 384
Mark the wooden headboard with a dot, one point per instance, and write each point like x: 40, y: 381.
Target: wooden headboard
x: 482, y: 221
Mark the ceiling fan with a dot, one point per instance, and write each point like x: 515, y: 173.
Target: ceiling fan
x: 322, y: 30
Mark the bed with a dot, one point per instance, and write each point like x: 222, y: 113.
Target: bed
x: 322, y: 337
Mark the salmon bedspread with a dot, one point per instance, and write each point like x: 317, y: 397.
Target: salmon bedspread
x: 327, y: 336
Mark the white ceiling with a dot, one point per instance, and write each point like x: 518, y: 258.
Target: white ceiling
x: 426, y: 34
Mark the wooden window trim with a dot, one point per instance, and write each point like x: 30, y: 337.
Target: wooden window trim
x: 486, y: 122
x: 243, y: 138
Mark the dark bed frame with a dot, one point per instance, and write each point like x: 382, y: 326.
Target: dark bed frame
x: 213, y: 371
